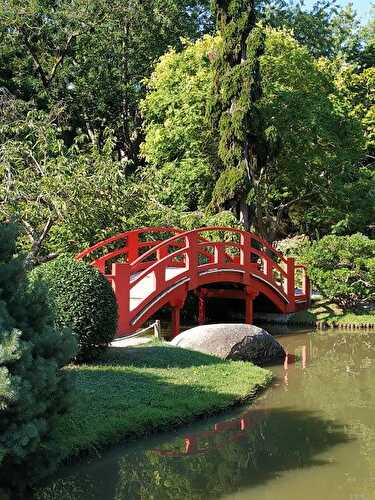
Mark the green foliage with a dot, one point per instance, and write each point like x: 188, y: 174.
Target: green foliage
x: 314, y: 182
x: 229, y: 185
x: 91, y: 58
x: 328, y: 314
x: 292, y: 247
x: 316, y: 163
x: 342, y: 268
x: 83, y: 300
x: 358, y: 90
x: 325, y: 29
x: 292, y: 158
x: 367, y: 56
x: 34, y: 391
x: 8, y: 353
x: 66, y: 198
x: 178, y: 142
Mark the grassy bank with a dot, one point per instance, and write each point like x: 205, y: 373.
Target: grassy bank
x: 322, y: 313
x: 135, y: 391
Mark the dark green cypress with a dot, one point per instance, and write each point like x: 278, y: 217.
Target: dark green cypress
x: 33, y: 389
x: 235, y: 112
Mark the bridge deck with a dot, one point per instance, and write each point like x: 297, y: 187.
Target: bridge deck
x: 147, y: 286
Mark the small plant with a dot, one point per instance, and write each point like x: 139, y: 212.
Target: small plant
x: 292, y: 247
x: 82, y: 299
x: 34, y: 391
x: 342, y: 268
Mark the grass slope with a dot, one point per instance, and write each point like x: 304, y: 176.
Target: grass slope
x: 322, y: 311
x: 135, y: 391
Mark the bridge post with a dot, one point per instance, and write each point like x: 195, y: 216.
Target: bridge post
x: 245, y: 260
x: 120, y: 285
x: 192, y: 259
x: 202, y: 307
x: 291, y: 285
x: 307, y: 288
x: 177, y: 304
x: 161, y: 253
x: 132, y: 246
x: 176, y: 321
x: 250, y: 295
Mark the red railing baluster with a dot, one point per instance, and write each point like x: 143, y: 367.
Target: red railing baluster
x: 192, y: 259
x: 133, y: 250
x: 162, y: 252
x: 291, y: 282
x: 219, y: 254
x: 121, y: 288
x: 268, y: 269
x: 245, y: 251
x: 160, y: 276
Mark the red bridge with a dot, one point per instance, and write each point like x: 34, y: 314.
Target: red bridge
x: 153, y: 267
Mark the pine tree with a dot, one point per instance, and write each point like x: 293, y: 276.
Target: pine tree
x: 243, y: 146
x: 33, y: 389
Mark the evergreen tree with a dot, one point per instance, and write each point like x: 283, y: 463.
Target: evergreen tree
x: 33, y: 389
x: 243, y: 147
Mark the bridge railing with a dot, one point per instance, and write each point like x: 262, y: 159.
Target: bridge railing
x: 125, y: 247
x: 150, y: 254
x: 186, y: 250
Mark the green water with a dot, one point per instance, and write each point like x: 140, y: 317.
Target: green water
x: 310, y: 436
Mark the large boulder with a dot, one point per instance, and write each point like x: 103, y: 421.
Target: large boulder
x: 233, y: 341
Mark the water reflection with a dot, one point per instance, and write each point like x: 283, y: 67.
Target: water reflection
x: 312, y: 434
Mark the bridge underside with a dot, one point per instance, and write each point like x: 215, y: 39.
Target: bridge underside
x: 228, y: 285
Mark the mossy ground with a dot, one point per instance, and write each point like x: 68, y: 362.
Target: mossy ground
x: 324, y: 312
x: 139, y: 390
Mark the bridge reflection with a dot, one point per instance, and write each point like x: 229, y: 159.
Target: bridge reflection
x: 204, y: 442
x: 234, y: 430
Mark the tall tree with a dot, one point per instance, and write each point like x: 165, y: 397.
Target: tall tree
x: 313, y: 185
x: 237, y: 90
x: 91, y: 58
x: 325, y: 28
x: 367, y: 56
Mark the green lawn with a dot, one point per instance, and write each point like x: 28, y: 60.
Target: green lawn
x: 139, y: 390
x: 324, y: 312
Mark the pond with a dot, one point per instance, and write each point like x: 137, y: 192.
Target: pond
x: 310, y: 435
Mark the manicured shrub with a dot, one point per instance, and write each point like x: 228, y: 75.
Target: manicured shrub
x: 34, y: 391
x: 82, y: 299
x: 342, y: 268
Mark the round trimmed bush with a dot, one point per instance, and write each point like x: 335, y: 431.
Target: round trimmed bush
x: 83, y: 300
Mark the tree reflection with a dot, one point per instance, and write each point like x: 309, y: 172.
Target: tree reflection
x: 334, y: 375
x: 277, y: 440
x: 341, y: 385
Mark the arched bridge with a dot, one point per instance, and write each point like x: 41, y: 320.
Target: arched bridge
x: 153, y: 267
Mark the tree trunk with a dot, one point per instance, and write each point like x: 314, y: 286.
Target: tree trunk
x: 244, y: 212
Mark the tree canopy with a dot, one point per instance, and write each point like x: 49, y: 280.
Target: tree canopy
x: 104, y: 123
x: 306, y: 112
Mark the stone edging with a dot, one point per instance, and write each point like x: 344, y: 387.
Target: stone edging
x: 323, y: 325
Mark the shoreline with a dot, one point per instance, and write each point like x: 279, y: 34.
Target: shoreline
x: 321, y: 315
x: 131, y: 438
x: 319, y: 325
x: 117, y: 402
